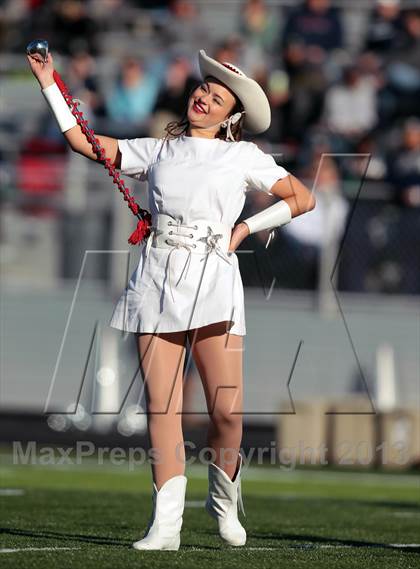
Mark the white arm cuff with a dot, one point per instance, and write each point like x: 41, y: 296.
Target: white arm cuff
x: 273, y: 216
x: 59, y: 107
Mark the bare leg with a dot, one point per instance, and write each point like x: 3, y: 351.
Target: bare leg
x: 162, y: 361
x: 218, y: 356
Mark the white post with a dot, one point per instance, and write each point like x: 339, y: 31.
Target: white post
x: 106, y: 386
x: 386, y: 392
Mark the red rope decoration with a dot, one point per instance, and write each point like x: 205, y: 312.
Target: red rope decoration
x: 232, y: 68
x: 144, y: 217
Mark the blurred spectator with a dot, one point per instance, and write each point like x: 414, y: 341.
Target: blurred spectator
x: 322, y: 227
x: 369, y: 162
x: 134, y: 97
x: 317, y: 25
x: 404, y: 64
x: 83, y: 83
x: 178, y: 84
x: 17, y: 21
x: 308, y: 85
x: 408, y: 46
x: 405, y: 175
x: 39, y: 172
x: 278, y: 91
x: 171, y: 103
x: 230, y: 49
x: 259, y: 27
x: 385, y: 25
x: 184, y: 27
x: 72, y: 27
x: 405, y: 165
x: 294, y: 253
x: 111, y: 15
x: 400, y: 92
x: 351, y: 109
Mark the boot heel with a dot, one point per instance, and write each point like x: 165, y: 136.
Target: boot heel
x: 174, y: 545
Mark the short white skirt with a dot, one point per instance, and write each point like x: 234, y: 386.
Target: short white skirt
x: 181, y: 293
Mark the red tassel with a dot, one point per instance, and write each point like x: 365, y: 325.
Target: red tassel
x: 139, y: 233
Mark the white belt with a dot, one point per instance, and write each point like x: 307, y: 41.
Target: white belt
x: 201, y: 236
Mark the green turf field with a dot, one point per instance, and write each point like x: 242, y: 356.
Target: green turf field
x: 88, y: 515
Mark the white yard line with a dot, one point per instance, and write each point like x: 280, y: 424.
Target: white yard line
x: 19, y: 549
x: 11, y: 492
x: 404, y: 544
x: 194, y: 503
x: 237, y: 548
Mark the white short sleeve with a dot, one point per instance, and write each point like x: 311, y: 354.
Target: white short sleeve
x: 136, y: 156
x: 262, y: 172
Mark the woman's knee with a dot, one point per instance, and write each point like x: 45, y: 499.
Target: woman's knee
x: 225, y: 419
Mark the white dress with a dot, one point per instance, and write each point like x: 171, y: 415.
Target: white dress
x: 190, y: 178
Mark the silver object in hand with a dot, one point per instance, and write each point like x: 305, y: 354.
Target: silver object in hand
x: 38, y: 46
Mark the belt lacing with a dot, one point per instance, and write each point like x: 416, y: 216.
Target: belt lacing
x: 210, y: 239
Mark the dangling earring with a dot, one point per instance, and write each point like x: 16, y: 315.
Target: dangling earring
x: 232, y: 120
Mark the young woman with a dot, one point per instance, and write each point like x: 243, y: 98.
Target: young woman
x: 187, y: 283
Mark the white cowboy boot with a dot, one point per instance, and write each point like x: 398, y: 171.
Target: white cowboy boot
x: 163, y: 531
x: 223, y: 497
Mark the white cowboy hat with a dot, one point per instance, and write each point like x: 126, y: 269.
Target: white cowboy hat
x: 249, y: 92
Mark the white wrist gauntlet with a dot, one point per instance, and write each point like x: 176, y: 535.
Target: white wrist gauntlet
x: 271, y: 217
x: 59, y: 107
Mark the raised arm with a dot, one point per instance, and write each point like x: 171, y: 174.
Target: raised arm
x: 44, y: 71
